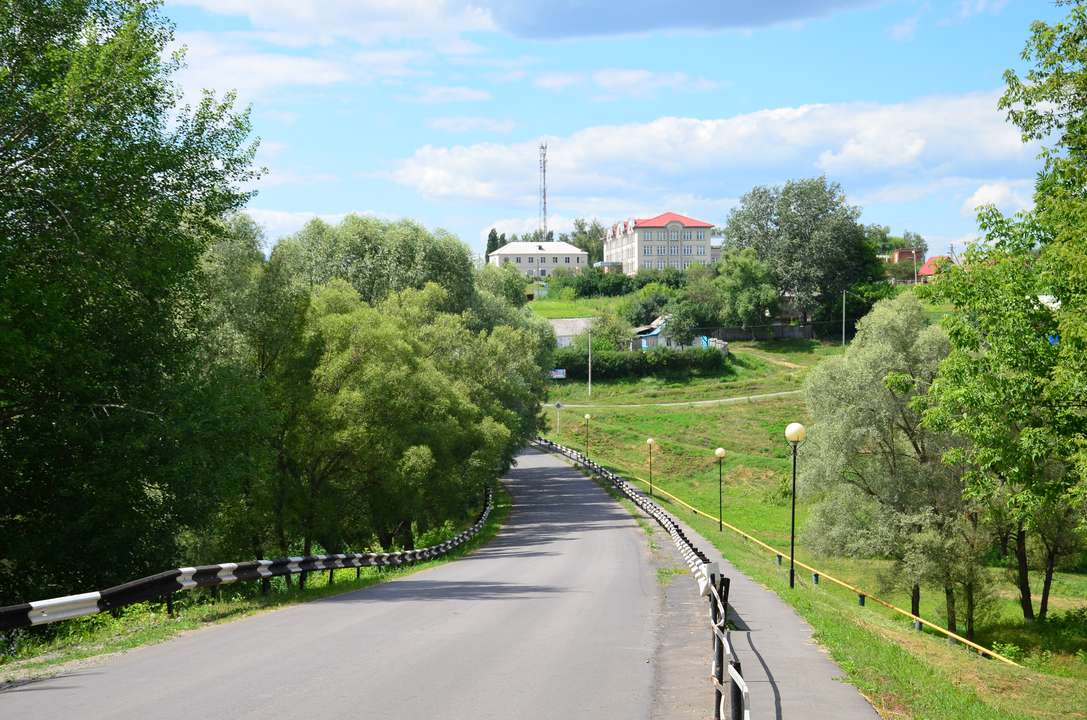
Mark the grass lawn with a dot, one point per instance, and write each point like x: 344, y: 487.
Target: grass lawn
x: 33, y: 652
x: 754, y: 368
x: 552, y: 308
x: 907, y: 674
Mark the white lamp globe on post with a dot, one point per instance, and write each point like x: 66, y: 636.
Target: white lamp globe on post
x: 649, y: 443
x: 795, y: 434
x: 719, y: 453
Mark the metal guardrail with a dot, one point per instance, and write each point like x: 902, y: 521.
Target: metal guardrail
x: 164, y: 584
x: 711, y: 584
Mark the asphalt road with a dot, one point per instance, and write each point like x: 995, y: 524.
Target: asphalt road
x: 552, y: 619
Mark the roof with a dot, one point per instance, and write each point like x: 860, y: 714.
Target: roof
x: 664, y: 218
x: 555, y: 247
x: 568, y: 327
x: 930, y: 266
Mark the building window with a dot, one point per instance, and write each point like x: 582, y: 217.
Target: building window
x: 567, y: 259
x: 542, y: 272
x: 531, y: 259
x: 688, y: 249
x: 675, y: 235
x: 701, y: 234
x: 647, y: 250
x: 687, y: 235
x: 555, y: 260
x: 673, y: 250
x: 578, y: 259
x: 660, y: 264
x: 518, y: 261
x: 701, y: 250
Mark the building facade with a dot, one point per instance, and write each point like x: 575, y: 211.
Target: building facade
x: 667, y: 240
x: 540, y: 259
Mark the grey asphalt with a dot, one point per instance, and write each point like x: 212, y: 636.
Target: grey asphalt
x: 555, y: 618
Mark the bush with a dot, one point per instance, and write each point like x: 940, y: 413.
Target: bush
x: 619, y: 364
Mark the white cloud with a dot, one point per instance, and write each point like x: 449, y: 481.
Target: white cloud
x: 213, y: 62
x: 451, y: 93
x: 1008, y: 196
x: 645, y: 83
x: 613, y: 83
x: 366, y: 21
x: 559, y: 81
x: 467, y: 123
x: 871, y: 144
x: 969, y: 8
x: 904, y: 30
x: 390, y: 63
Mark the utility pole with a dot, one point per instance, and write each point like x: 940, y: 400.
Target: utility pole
x: 843, y: 318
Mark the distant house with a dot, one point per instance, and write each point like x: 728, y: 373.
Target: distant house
x: 931, y: 267
x: 540, y: 259
x: 906, y: 255
x: 566, y: 329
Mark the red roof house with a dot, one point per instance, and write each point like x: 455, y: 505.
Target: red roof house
x: 928, y: 270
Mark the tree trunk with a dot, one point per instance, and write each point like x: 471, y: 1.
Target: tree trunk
x: 1050, y: 562
x: 969, y: 610
x: 1023, y: 570
x: 949, y: 596
x: 915, y: 600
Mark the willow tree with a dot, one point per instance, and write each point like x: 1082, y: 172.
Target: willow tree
x: 886, y: 489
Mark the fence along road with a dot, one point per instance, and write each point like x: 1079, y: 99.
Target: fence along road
x: 552, y: 619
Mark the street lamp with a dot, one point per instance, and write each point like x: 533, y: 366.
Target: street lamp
x: 795, y: 434
x: 649, y: 443
x: 720, y: 453
x: 587, y: 418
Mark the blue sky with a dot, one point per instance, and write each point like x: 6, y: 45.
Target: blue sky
x: 434, y: 110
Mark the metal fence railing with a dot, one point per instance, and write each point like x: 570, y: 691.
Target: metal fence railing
x: 732, y: 692
x: 165, y: 584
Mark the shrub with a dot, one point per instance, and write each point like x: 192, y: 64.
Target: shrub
x: 620, y: 364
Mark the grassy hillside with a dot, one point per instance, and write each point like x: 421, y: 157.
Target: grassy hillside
x: 756, y: 499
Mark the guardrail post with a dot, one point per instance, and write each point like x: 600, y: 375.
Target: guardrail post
x: 331, y: 576
x: 718, y: 655
x: 170, y: 604
x: 265, y: 586
x: 736, y: 702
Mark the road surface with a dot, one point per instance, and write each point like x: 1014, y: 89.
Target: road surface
x: 552, y: 619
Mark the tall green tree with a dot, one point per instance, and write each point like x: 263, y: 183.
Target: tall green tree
x: 748, y: 295
x: 809, y: 236
x: 109, y: 193
x: 886, y: 489
x: 587, y: 235
x: 492, y: 242
x: 998, y: 386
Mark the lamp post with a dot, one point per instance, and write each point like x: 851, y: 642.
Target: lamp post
x: 795, y: 434
x: 720, y: 453
x: 649, y: 443
x: 588, y: 417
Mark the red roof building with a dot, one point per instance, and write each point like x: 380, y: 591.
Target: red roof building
x: 928, y: 270
x: 668, y: 240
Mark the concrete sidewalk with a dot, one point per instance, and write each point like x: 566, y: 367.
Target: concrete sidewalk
x: 789, y: 676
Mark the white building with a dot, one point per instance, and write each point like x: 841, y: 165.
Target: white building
x: 667, y: 240
x: 540, y: 259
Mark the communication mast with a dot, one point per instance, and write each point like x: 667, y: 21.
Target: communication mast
x: 543, y: 191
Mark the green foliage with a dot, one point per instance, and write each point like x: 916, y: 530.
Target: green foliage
x: 109, y: 194
x: 609, y: 332
x: 647, y: 304
x: 808, y: 236
x: 587, y: 236
x: 747, y: 288
x: 609, y: 364
x: 505, y: 281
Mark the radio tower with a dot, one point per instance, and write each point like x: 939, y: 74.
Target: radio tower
x: 543, y: 192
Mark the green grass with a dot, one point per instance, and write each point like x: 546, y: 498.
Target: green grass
x: 39, y: 649
x: 907, y: 674
x: 552, y: 308
x: 754, y: 368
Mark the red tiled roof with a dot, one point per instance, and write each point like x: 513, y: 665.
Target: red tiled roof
x: 664, y: 218
x: 929, y: 268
